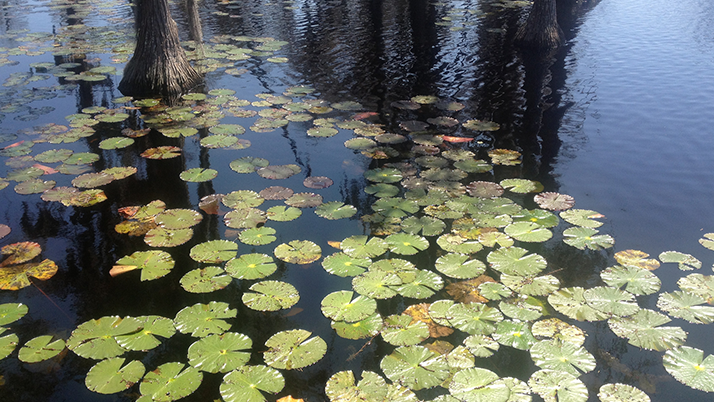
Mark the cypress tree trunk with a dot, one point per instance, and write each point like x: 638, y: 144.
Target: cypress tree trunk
x: 159, y: 66
x: 541, y: 29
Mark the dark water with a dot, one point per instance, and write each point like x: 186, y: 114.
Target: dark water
x: 626, y: 132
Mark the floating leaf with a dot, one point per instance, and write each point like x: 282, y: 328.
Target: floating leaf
x: 383, y: 175
x: 686, y: 262
x: 294, y: 349
x: 248, y: 164
x: 204, y: 319
x: 516, y: 261
x: 702, y: 285
x: 571, y: 302
x: 558, y: 386
x: 376, y: 284
x: 493, y: 291
x: 276, y: 193
x: 582, y: 238
x: 528, y: 232
x: 402, y: 330
x: 582, y: 217
x: 92, y: 180
x: 94, y: 339
x: 637, y: 281
x: 335, y: 210
x: 636, y: 258
x: 40, y: 348
x: 406, y: 244
x: 341, y: 264
x: 342, y: 387
x: 484, y: 189
x: 227, y: 129
x: 689, y: 367
x: 116, y: 143
x: 257, y: 236
x: 246, y: 383
x: 455, y: 243
x: 504, y: 157
x: 538, y: 216
x: 643, y: 329
x: 395, y: 207
x: 163, y: 152
x: 427, y: 225
x: 621, y: 393
x: 271, y: 296
x: 687, y: 306
x: 611, y: 301
x: 219, y: 141
x: 205, y: 280
x: 478, y: 384
x: 474, y: 318
x: 20, y: 252
x: 7, y: 344
x: 82, y: 158
x: 468, y: 291
x: 178, y: 218
x: 298, y: 252
x: 341, y: 306
x: 153, y: 264
x: 515, y: 334
x: 522, y: 308
x: 245, y: 218
x: 707, y: 241
x: 251, y: 266
x: 364, y: 247
x: 282, y: 213
x: 11, y: 312
x: 481, y: 125
x: 276, y: 172
x: 559, y: 330
x: 34, y: 186
x: 304, y: 200
x: 145, y: 339
x: 220, y: 353
x: 16, y: 277
x: 198, y: 175
x: 242, y: 199
x: 170, y: 381
x: 214, y: 251
x: 108, y: 376
x: 554, y: 201
x: 415, y: 367
x: 367, y: 328
x: 522, y: 186
x: 562, y: 356
x: 531, y: 285
x: 459, y: 266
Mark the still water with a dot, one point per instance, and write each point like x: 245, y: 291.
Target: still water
x: 618, y: 119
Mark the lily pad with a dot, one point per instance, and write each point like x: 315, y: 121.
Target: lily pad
x: 343, y: 265
x: 342, y: 387
x: 178, y: 218
x: 246, y: 383
x: 34, y: 186
x: 637, y: 259
x: 242, y: 199
x: 361, y: 246
x: 515, y: 334
x: 538, y: 216
x: 690, y: 367
x: 294, y: 349
x: 146, y: 338
x: 611, y: 301
x: 481, y: 345
x: 153, y: 264
x: 16, y: 277
x: 383, y: 175
x: 582, y: 217
x: 20, y: 252
x: 403, y: 330
x: 214, y: 251
x: 474, y: 318
x: 245, y: 218
x: 562, y: 356
x: 257, y: 236
x: 11, y: 312
x: 531, y: 285
x: 271, y: 296
x: 516, y: 261
x: 92, y: 180
x: 94, y: 339
x: 686, y: 262
x: 198, y: 175
x: 162, y: 152
x: 559, y: 330
x: 298, y: 252
x: 342, y: 306
x: 108, y: 376
x: 459, y: 266
x: 220, y: 353
x: 522, y: 186
x: 637, y: 281
x: 170, y: 381
x: 40, y: 348
x: 554, y: 201
x: 116, y: 143
x: 571, y: 302
x: 367, y: 328
x: 377, y: 284
x: 205, y: 280
x: 406, y: 244
x: 484, y: 189
x: 415, y: 367
x: 530, y: 232
x: 251, y: 266
x: 582, y: 238
x: 621, y: 393
x: 277, y: 172
x: 688, y: 306
x: 248, y: 164
x: 558, y: 386
x: 304, y: 200
x: 202, y: 320
x: 479, y: 385
x: 281, y: 213
x: 644, y: 329
x: 335, y: 210
x: 427, y: 225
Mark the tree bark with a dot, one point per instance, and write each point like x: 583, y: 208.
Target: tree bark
x: 159, y: 66
x: 541, y: 30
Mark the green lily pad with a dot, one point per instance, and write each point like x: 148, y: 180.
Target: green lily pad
x: 571, y: 302
x: 202, y: 320
x: 558, y: 386
x: 34, y: 186
x: 116, y: 143
x: 494, y: 290
x: 170, y: 381
x: 7, y: 344
x: 108, y: 376
x: 531, y: 285
x: 245, y: 218
x: 690, y: 367
x: 582, y: 238
x: 479, y: 385
x: 707, y: 241
x: 227, y: 129
x: 94, y: 339
x: 120, y: 172
x: 383, y: 175
x: 298, y: 252
x: 335, y: 210
x: 395, y: 207
x: 459, y: 266
x: 415, y: 367
x: 377, y: 284
x: 220, y: 353
x: 343, y: 265
x: 516, y: 261
x: 522, y: 308
x: 20, y: 175
x: 251, y: 266
x: 92, y: 180
x: 198, y: 175
x: 342, y: 387
x: 277, y: 172
x: 15, y: 277
x: 219, y: 141
x: 562, y: 356
x: 53, y: 155
x: 406, y: 244
x: 611, y: 301
x: 686, y: 262
x: 271, y: 296
x: 481, y: 125
x: 481, y: 345
x: 246, y: 383
x: 81, y: 158
x: 248, y: 164
x: 538, y: 216
x: 403, y: 330
x: 455, y: 243
x: 11, y: 312
x: 530, y: 232
x: 257, y: 236
x: 361, y: 246
x: 242, y: 199
x: 304, y: 200
x: 205, y: 280
x: 644, y: 329
x: 473, y: 318
x: 522, y: 186
x: 427, y: 225
x: 582, y: 217
x: 153, y: 264
x: 342, y: 306
x: 688, y: 306
x: 294, y: 349
x: 178, y: 218
x: 702, y: 285
x: 637, y: 281
x: 214, y: 251
x: 621, y: 393
x: 424, y: 285
x: 382, y: 190
x: 559, y: 330
x: 515, y: 334
x: 40, y: 348
x: 162, y: 152
x: 281, y: 213
x: 145, y: 339
x: 366, y: 328
x: 178, y: 132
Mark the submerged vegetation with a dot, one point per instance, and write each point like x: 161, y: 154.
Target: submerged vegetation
x: 449, y: 271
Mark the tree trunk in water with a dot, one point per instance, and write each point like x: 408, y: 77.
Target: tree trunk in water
x: 541, y: 30
x: 159, y: 66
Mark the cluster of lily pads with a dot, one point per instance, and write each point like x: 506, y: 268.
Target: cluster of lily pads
x: 433, y: 193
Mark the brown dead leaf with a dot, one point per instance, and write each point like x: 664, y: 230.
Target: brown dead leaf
x: 420, y: 312
x: 467, y: 291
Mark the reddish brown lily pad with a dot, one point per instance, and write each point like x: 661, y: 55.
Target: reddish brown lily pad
x: 317, y: 182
